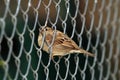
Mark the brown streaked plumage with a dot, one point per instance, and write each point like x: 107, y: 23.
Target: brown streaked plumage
x: 62, y: 44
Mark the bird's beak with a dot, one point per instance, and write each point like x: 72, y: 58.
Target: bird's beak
x: 41, y: 30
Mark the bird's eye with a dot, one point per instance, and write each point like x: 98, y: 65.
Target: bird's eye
x: 46, y: 29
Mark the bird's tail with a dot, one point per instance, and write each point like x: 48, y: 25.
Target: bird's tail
x: 82, y: 51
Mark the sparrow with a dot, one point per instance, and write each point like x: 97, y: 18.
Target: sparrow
x: 62, y: 45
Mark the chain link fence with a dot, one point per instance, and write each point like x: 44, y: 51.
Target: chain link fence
x: 93, y: 24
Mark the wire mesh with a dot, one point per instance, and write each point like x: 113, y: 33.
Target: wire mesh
x: 93, y: 24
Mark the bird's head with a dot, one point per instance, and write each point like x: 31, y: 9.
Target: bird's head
x: 45, y: 30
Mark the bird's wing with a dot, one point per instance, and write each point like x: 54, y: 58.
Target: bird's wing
x: 65, y: 43
x: 61, y: 41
